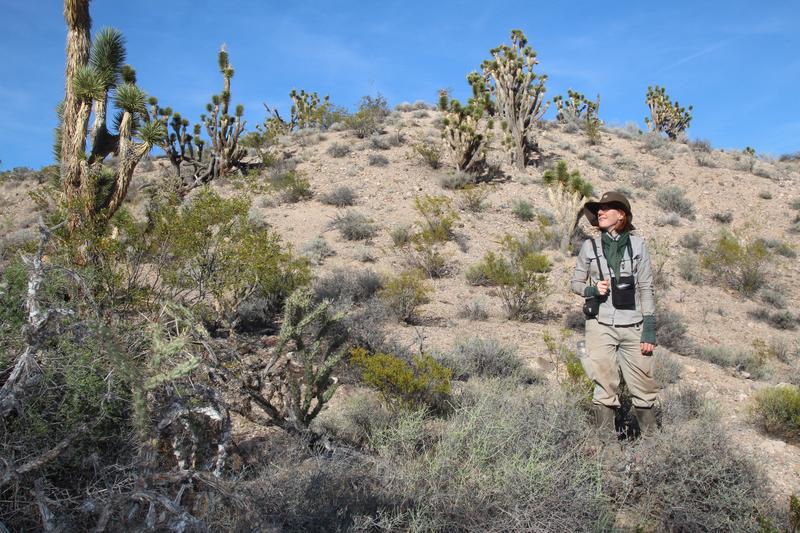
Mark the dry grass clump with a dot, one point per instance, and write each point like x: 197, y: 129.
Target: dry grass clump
x: 354, y: 226
x: 776, y: 410
x: 347, y: 286
x: 487, y: 358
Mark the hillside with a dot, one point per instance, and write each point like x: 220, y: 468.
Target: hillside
x: 752, y: 197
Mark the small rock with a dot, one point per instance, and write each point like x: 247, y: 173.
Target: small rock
x: 746, y: 375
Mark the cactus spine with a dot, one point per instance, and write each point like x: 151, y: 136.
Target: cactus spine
x: 666, y: 116
x: 519, y: 95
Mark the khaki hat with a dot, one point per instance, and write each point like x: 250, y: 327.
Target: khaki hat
x: 617, y: 199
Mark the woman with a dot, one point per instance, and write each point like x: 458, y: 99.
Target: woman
x: 621, y: 334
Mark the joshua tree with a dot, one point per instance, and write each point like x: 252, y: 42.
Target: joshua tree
x: 519, y: 94
x: 666, y: 116
x: 566, y: 192
x: 92, y: 189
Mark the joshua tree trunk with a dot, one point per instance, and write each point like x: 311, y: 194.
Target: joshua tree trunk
x: 79, y: 24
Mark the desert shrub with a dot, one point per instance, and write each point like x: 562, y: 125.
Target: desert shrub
x: 644, y: 179
x: 520, y: 277
x: 795, y: 204
x: 369, y: 118
x: 379, y: 142
x: 422, y: 382
x: 670, y: 219
x: 342, y: 196
x: 693, y: 478
x: 401, y: 235
x: 777, y: 411
x: 473, y: 198
x: 689, y: 268
x: 438, y: 217
x: 779, y: 319
x: 762, y: 172
x: 739, y: 266
x: 456, y: 180
x: 739, y: 359
x: 701, y: 145
x: 353, y: 226
x: 347, y: 286
x: 360, y: 417
x: 780, y: 247
x: 473, y: 310
x: 681, y: 403
x: 496, y: 464
x: 404, y: 294
x: 429, y: 151
x: 217, y: 256
x: 773, y: 297
x: 317, y: 250
x: 13, y: 288
x: 667, y: 369
x: 722, y: 218
x: 523, y: 210
x: 487, y: 358
x: 671, y: 331
x: 672, y: 199
x: 765, y: 195
x: 575, y: 320
x: 290, y: 186
x: 705, y: 160
x: 426, y: 256
x: 692, y: 241
x: 378, y: 160
x: 338, y: 150
x: 365, y: 254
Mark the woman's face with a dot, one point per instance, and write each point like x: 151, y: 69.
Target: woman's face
x: 608, y: 216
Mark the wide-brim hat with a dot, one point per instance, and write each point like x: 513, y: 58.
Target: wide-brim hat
x: 617, y: 199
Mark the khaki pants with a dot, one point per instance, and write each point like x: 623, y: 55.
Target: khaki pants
x: 614, y: 348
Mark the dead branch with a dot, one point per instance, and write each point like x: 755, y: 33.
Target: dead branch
x: 44, y: 458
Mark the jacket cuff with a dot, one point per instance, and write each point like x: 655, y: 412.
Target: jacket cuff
x: 649, y: 329
x: 590, y: 291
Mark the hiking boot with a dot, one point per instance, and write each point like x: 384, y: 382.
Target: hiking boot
x: 646, y: 420
x: 604, y: 419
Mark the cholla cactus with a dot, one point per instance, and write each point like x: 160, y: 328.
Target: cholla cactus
x: 519, y: 94
x: 566, y: 192
x: 666, y: 116
x: 93, y: 78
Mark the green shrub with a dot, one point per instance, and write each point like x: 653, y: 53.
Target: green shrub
x: 672, y: 199
x: 401, y: 235
x: 404, y: 294
x: 738, y: 266
x: 354, y: 226
x: 423, y: 382
x: 523, y: 210
x: 777, y: 411
x: 438, y: 217
x: 368, y: 119
x: 430, y: 152
x: 426, y: 256
x: 209, y: 249
x: 520, y: 277
x: 780, y: 247
x: 13, y: 288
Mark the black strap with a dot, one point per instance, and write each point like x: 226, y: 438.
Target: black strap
x: 599, y: 266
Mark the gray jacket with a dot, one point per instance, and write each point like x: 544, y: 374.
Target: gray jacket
x: 640, y: 268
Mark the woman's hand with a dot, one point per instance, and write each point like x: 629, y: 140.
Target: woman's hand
x: 602, y: 287
x: 647, y: 348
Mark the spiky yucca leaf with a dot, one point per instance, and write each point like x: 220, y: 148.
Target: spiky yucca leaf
x: 128, y: 74
x: 152, y: 133
x: 131, y: 98
x: 108, y: 55
x: 222, y: 59
x: 239, y: 110
x: 88, y: 83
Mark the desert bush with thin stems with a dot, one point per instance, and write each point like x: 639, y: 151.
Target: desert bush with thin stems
x: 739, y: 265
x: 342, y: 196
x: 776, y: 410
x: 404, y: 294
x: 672, y: 199
x: 353, y: 226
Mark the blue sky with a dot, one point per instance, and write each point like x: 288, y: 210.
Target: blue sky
x: 736, y: 62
